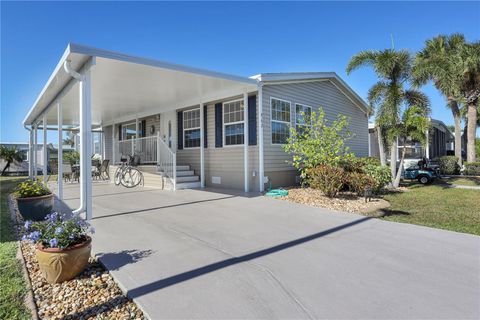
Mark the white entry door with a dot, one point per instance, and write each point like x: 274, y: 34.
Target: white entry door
x: 168, y: 129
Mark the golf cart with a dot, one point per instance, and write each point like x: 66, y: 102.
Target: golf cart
x: 422, y: 172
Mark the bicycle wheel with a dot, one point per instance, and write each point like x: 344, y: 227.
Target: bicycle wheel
x: 131, y: 178
x: 118, y: 176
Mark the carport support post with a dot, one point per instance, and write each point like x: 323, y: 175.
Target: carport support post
x: 30, y: 155
x: 44, y: 150
x: 427, y: 145
x: 202, y: 149
x: 34, y: 152
x: 60, y: 152
x: 245, y: 140
x: 261, y: 169
x: 113, y: 143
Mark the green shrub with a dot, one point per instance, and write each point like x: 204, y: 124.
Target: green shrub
x: 472, y: 168
x: 359, y: 182
x: 448, y: 165
x: 381, y: 174
x: 326, y: 178
x: 72, y: 157
x: 31, y: 188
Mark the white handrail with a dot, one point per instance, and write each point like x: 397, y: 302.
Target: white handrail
x: 167, y: 161
x: 145, y: 148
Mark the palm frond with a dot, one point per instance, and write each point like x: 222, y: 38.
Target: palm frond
x: 362, y: 59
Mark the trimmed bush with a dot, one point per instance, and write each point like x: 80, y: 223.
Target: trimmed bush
x: 448, y: 165
x: 381, y: 174
x: 359, y: 182
x: 472, y: 168
x: 327, y: 179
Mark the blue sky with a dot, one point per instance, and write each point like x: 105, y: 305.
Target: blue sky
x: 238, y: 38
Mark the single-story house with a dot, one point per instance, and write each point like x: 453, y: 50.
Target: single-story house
x: 21, y: 168
x: 440, y: 141
x: 192, y: 126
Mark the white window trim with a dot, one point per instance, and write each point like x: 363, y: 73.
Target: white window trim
x: 231, y: 123
x: 303, y: 105
x: 129, y: 124
x: 195, y: 128
x: 271, y: 120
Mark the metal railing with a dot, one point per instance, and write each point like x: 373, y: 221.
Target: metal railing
x: 167, y: 161
x: 145, y: 148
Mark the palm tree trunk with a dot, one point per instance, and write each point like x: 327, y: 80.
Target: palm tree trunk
x: 5, y: 168
x: 381, y: 147
x: 396, y: 182
x: 471, y: 131
x: 393, y: 158
x: 457, y: 118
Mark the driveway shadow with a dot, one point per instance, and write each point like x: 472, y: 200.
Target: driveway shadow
x: 116, y: 260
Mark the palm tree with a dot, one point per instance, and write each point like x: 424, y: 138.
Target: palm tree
x: 414, y: 125
x: 388, y: 97
x: 437, y: 62
x: 469, y: 92
x: 10, y: 155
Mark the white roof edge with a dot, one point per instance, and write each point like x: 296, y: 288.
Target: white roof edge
x: 301, y: 76
x: 107, y: 54
x: 64, y: 57
x: 95, y: 52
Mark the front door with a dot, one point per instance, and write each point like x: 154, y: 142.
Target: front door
x: 167, y: 127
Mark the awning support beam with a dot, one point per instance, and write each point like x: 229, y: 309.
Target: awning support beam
x: 246, y: 176
x: 202, y: 148
x: 44, y: 151
x: 261, y: 172
x: 60, y: 152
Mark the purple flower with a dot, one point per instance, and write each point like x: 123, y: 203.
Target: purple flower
x: 92, y: 230
x: 53, y: 243
x: 58, y: 230
x: 28, y: 223
x: 34, y: 236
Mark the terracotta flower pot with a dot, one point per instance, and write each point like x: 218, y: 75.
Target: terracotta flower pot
x: 58, y: 265
x: 35, y: 208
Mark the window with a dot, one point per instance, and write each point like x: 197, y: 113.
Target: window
x: 280, y: 120
x: 129, y: 130
x: 302, y: 115
x: 233, y: 123
x: 191, y: 128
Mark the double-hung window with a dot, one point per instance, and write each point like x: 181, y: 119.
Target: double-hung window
x: 233, y: 122
x: 280, y: 120
x: 303, y: 114
x: 191, y: 128
x: 129, y: 130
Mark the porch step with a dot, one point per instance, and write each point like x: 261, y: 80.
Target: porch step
x: 188, y: 185
x: 184, y: 173
x: 183, y: 167
x: 187, y: 179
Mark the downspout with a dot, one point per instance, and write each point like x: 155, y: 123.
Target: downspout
x: 78, y: 77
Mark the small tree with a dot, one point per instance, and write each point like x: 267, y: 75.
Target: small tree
x: 318, y: 142
x: 10, y: 155
x: 414, y: 125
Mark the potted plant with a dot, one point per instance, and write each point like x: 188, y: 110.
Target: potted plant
x: 62, y: 245
x: 34, y: 200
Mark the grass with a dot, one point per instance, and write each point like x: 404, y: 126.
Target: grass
x: 436, y: 206
x: 12, y: 283
x: 463, y: 181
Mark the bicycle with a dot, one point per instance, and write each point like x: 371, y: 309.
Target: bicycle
x: 127, y: 175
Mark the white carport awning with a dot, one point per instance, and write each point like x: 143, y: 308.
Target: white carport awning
x: 125, y: 86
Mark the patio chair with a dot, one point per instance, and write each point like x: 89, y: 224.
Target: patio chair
x: 104, y: 170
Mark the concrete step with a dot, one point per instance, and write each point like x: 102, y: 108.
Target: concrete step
x: 188, y: 185
x: 184, y: 173
x: 183, y: 167
x: 188, y: 179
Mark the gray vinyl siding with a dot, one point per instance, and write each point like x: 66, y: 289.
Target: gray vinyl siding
x: 225, y: 162
x: 314, y: 94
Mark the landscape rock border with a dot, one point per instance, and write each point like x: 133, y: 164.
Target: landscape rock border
x: 93, y: 293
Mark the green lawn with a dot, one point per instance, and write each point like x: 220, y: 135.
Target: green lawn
x: 436, y: 206
x: 462, y: 181
x: 12, y: 283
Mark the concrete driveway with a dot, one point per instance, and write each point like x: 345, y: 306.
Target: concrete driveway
x: 210, y: 255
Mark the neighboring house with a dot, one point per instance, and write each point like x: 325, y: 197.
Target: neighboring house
x: 440, y: 143
x: 191, y: 124
x: 22, y: 167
